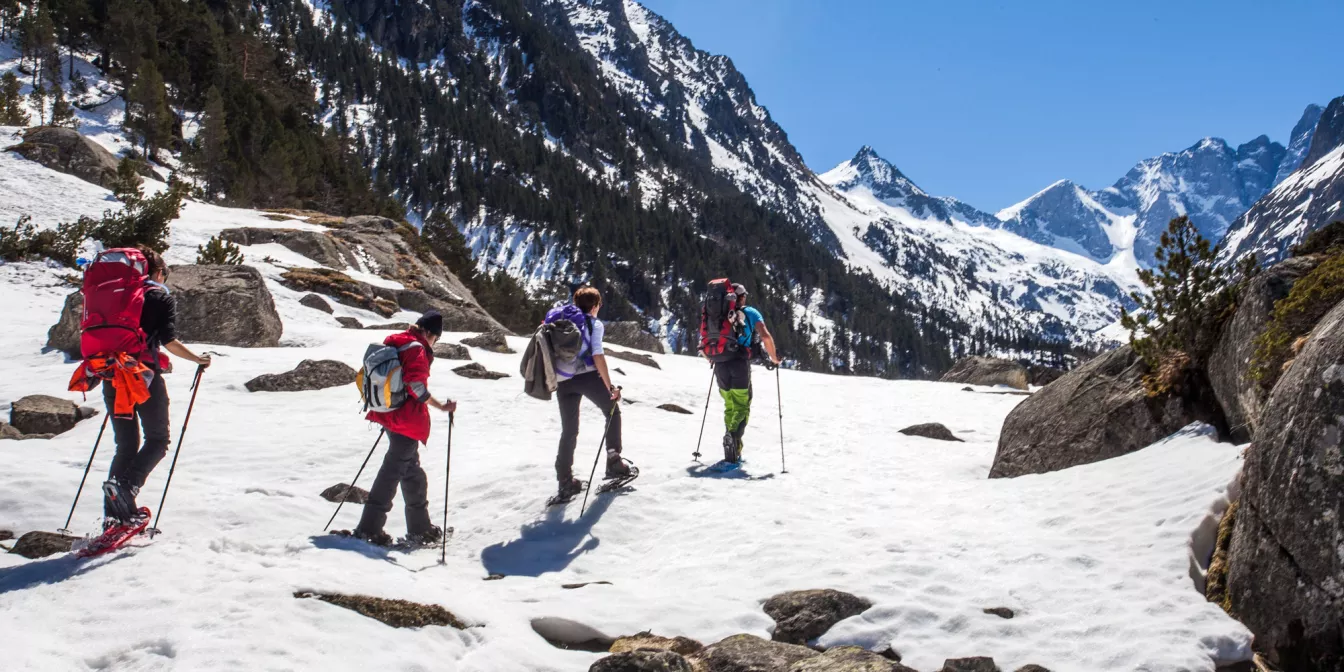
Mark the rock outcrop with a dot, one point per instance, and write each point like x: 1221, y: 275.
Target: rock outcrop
x: 1041, y: 376
x: 316, y: 303
x: 988, y: 371
x: 37, y: 544
x: 42, y: 414
x: 353, y: 494
x: 749, y: 653
x: 642, y: 661
x: 65, y: 150
x: 308, y: 375
x: 224, y: 305
x: 444, y: 350
x: 638, y: 358
x: 1095, y: 412
x: 848, y: 659
x: 493, y: 341
x: 1286, y: 567
x: 803, y: 615
x: 646, y: 641
x: 343, y: 289
x: 976, y: 664
x: 1240, y: 396
x: 315, y: 245
x: 931, y: 430
x: 478, y: 371
x: 349, y: 323
x: 64, y: 335
x: 631, y: 335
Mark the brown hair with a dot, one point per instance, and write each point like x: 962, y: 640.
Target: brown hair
x: 587, y: 298
x: 154, y: 261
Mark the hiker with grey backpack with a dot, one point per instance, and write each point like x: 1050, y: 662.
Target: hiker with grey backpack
x: 394, y: 384
x: 565, y: 358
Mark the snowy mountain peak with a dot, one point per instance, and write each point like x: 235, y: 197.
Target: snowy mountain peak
x: 870, y: 170
x: 1065, y: 216
x: 1299, y: 142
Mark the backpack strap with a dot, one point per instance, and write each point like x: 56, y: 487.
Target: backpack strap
x: 588, y: 322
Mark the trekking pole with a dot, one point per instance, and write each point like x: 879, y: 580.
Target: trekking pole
x: 779, y: 403
x: 705, y: 415
x: 447, y: 471
x: 65, y: 529
x: 615, y: 408
x: 345, y: 495
x: 195, y: 387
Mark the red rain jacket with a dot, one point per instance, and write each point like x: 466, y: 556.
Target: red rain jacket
x: 412, y: 418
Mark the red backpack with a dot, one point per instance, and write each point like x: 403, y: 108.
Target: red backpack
x: 718, y: 331
x: 114, y: 295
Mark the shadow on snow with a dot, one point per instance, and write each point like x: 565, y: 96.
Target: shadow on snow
x: 550, y: 544
x: 49, y: 571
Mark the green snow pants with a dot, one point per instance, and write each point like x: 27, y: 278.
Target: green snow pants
x: 734, y: 379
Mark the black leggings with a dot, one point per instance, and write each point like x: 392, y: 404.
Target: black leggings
x: 569, y: 393
x: 133, y: 462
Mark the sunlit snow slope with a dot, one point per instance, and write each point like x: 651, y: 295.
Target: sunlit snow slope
x: 1096, y: 561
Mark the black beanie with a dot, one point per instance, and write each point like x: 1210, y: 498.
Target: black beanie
x: 431, y: 322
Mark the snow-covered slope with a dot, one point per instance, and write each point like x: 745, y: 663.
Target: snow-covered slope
x: 919, y: 530
x: 1309, y: 198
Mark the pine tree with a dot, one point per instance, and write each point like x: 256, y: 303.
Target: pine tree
x: 38, y: 99
x: 218, y: 251
x: 1175, y: 325
x: 62, y: 112
x: 211, y: 151
x: 127, y: 187
x: 147, y: 114
x: 11, y: 102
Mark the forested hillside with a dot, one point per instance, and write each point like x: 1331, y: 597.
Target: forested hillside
x: 483, y: 117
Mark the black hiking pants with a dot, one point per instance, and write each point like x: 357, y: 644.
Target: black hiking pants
x: 133, y: 462
x: 570, y: 393
x: 401, y: 467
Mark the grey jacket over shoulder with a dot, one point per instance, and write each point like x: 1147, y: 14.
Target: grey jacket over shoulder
x: 537, y: 369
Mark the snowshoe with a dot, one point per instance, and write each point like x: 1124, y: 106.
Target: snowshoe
x: 628, y: 474
x: 379, y: 538
x: 427, y: 539
x: 725, y: 466
x: 617, y: 467
x: 116, y: 535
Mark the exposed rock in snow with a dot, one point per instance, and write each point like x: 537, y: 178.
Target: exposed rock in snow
x: 1286, y: 577
x: 39, y: 544
x: 308, y: 375
x: 445, y: 350
x: 316, y: 303
x: 646, y: 641
x: 976, y: 664
x: 396, y: 613
x: 803, y: 615
x: 42, y: 414
x: 673, y: 408
x: 224, y: 305
x: 492, y: 340
x: 638, y: 358
x: 749, y: 652
x: 352, y: 494
x: 478, y: 371
x: 632, y: 335
x: 848, y: 659
x: 931, y: 430
x: 64, y: 335
x: 642, y: 661
x: 1095, y: 412
x: 65, y: 150
x: 988, y: 371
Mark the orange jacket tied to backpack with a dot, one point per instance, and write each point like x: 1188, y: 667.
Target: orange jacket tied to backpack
x: 111, y: 340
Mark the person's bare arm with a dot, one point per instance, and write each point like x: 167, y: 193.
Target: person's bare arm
x: 182, y: 351
x: 600, y: 361
x: 769, y: 342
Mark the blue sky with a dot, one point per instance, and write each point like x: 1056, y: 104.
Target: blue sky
x: 992, y: 101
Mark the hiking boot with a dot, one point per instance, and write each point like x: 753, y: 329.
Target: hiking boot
x: 732, y: 448
x: 570, y: 489
x: 379, y: 538
x: 427, y: 538
x: 616, y: 467
x: 119, y: 500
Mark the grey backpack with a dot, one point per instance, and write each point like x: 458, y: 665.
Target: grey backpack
x: 379, y: 380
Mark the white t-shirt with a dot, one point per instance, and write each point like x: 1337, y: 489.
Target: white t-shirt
x: 592, y: 346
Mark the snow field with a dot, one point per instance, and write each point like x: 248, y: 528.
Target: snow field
x: 1095, y: 561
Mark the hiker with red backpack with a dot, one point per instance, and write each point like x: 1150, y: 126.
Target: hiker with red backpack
x: 129, y: 319
x: 404, y: 414
x: 732, y: 334
x: 581, y: 374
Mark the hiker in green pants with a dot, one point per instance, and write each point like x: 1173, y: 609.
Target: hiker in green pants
x: 734, y: 375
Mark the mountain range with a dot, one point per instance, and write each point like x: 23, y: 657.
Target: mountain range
x: 539, y: 143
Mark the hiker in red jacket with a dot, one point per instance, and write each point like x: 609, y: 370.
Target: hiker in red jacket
x: 407, y: 426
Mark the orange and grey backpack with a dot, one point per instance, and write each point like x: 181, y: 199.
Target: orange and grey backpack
x: 379, y: 380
